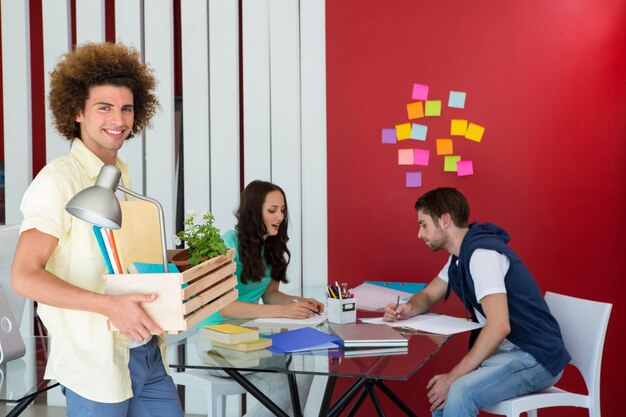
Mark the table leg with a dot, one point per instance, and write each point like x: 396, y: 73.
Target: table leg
x: 21, y: 406
x: 395, y: 398
x: 295, y: 398
x: 370, y: 390
x: 345, y: 399
x: 328, y: 395
x: 248, y: 386
x: 357, y: 404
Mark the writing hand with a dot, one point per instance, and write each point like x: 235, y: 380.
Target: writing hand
x: 128, y: 317
x: 313, y: 304
x: 298, y: 310
x: 402, y: 312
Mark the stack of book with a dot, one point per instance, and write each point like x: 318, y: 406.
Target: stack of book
x: 235, y: 337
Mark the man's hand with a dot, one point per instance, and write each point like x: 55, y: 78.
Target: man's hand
x: 438, y: 394
x: 404, y: 311
x: 128, y: 317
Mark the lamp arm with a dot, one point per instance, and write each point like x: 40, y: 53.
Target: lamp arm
x: 161, y: 219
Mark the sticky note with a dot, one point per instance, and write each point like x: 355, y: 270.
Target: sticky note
x: 420, y: 92
x: 413, y: 179
x: 433, y: 108
x: 457, y: 99
x: 464, y: 168
x: 449, y: 162
x: 389, y: 135
x: 418, y: 131
x: 457, y: 127
x: 444, y: 146
x: 420, y: 157
x: 403, y: 131
x: 415, y: 110
x: 475, y: 132
x: 405, y: 156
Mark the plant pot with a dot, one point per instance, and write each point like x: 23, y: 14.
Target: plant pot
x: 181, y: 260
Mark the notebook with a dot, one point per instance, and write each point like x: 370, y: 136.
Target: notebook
x: 359, y: 335
x: 300, y: 340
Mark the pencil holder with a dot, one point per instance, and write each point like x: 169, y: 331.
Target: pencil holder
x: 342, y: 311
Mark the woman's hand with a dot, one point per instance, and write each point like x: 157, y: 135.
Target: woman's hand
x: 302, y: 308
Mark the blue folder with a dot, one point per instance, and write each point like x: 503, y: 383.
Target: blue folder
x: 411, y: 287
x: 306, y: 338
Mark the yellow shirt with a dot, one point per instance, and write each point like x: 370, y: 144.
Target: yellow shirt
x: 84, y: 356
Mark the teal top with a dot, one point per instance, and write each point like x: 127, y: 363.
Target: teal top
x: 248, y: 293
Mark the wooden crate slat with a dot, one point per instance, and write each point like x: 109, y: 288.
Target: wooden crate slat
x: 208, y: 280
x: 195, y: 303
x: 207, y: 266
x: 211, y: 308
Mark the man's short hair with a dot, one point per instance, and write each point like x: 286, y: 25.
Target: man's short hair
x: 96, y: 64
x: 443, y: 200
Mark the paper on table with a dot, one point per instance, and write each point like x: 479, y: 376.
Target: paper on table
x: 310, y: 322
x: 431, y: 323
x: 374, y: 297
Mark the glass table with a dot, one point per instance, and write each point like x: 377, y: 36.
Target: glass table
x: 21, y: 380
x: 369, y: 371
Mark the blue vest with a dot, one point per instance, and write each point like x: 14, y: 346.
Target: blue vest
x: 533, y: 328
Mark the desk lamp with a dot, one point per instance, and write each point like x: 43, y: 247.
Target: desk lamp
x: 98, y: 204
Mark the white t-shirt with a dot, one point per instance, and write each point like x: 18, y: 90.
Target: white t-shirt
x: 488, y: 268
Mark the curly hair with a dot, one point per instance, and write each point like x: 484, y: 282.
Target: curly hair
x: 96, y: 64
x: 253, y: 250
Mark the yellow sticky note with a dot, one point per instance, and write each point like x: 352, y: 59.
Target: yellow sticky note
x: 458, y: 127
x: 433, y: 108
x: 475, y: 132
x: 444, y: 146
x: 415, y: 110
x: 449, y: 162
x: 405, y: 156
x: 403, y: 131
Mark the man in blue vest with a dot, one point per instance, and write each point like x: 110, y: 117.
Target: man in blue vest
x: 519, y: 349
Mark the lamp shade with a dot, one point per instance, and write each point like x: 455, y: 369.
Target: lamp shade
x: 98, y: 204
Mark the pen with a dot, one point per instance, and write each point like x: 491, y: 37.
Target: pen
x: 397, y: 304
x: 310, y: 309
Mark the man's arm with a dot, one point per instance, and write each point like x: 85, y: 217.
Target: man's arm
x: 491, y: 336
x: 419, y: 303
x: 30, y: 279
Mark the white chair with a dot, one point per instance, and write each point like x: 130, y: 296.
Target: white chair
x: 215, y: 389
x: 583, y: 325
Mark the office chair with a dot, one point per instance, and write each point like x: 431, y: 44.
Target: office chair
x: 583, y: 326
x: 215, y: 389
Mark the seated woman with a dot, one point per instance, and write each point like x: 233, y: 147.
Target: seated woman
x: 261, y: 254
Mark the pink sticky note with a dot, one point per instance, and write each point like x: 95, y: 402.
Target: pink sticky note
x: 413, y: 179
x: 464, y: 168
x: 420, y: 157
x: 420, y: 92
x: 405, y: 156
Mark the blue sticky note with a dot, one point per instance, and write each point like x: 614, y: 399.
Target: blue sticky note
x: 457, y: 99
x: 418, y: 131
x: 389, y: 136
x: 413, y: 179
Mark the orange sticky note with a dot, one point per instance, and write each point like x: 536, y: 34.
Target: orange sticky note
x: 405, y: 156
x: 458, y: 127
x: 475, y: 132
x: 449, y: 162
x: 444, y: 146
x: 403, y: 131
x: 415, y: 110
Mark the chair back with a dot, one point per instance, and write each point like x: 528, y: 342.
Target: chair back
x: 8, y: 242
x: 583, y: 326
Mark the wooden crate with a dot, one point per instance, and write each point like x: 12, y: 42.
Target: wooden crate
x: 210, y: 286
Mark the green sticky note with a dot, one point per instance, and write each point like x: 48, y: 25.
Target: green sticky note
x: 449, y: 162
x: 433, y: 108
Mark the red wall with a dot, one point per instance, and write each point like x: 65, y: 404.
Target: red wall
x: 548, y: 82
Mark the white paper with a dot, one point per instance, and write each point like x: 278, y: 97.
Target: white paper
x: 431, y: 323
x: 372, y: 297
x: 310, y: 322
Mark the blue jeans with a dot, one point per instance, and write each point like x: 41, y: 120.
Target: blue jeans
x: 504, y: 375
x: 154, y: 392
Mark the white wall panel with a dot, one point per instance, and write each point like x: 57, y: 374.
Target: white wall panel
x: 285, y: 121
x: 160, y: 140
x: 56, y: 42
x: 129, y: 31
x: 256, y: 91
x: 224, y: 107
x: 89, y: 21
x: 18, y: 131
x: 313, y: 111
x: 196, y: 120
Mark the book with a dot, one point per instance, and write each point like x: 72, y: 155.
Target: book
x: 150, y: 268
x: 116, y: 255
x: 229, y: 333
x: 103, y: 248
x: 260, y: 343
x: 232, y: 358
x: 303, y: 339
x: 361, y: 335
x: 107, y: 244
x: 375, y: 351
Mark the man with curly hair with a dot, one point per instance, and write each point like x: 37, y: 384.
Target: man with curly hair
x: 100, y: 96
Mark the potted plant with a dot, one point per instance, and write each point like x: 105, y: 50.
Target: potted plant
x: 203, y: 241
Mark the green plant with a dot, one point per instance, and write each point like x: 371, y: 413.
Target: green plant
x: 203, y: 239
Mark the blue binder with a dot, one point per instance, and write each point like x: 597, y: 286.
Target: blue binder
x: 410, y: 287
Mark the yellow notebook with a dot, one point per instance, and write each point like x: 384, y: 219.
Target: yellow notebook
x: 229, y: 333
x: 261, y: 343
